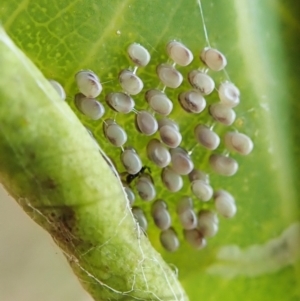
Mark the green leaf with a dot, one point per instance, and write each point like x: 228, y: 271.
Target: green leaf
x: 259, y: 40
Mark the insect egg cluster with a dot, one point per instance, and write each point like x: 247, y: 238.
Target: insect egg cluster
x: 185, y: 118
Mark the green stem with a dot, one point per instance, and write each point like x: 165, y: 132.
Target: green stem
x: 54, y: 170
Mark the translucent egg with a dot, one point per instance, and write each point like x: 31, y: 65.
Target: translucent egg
x: 222, y: 113
x: 130, y: 195
x: 202, y: 190
x: 145, y: 188
x: 89, y: 106
x: 138, y: 54
x: 170, y: 136
x: 169, y: 76
x: 223, y: 165
x: 188, y: 219
x: 120, y: 102
x: 115, y: 134
x: 179, y: 53
x: 229, y: 94
x: 197, y: 174
x: 192, y: 101
x: 195, y: 238
x: 169, y: 240
x: 213, y: 59
x: 88, y: 83
x: 238, y: 142
x: 169, y: 122
x: 58, y: 88
x: 130, y: 82
x: 161, y: 215
x: 184, y: 203
x: 181, y: 161
x: 140, y: 217
x: 201, y: 81
x: 172, y: 181
x: 225, y: 203
x: 146, y: 123
x: 158, y: 153
x: 208, y: 223
x: 159, y: 102
x: 131, y: 161
x: 206, y: 137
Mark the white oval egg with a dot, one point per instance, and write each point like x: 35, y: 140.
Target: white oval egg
x: 130, y: 82
x: 225, y: 203
x: 88, y: 83
x: 131, y: 161
x: 158, y: 153
x: 197, y: 174
x: 208, y: 223
x: 138, y: 54
x: 172, y: 181
x: 222, y: 113
x: 169, y: 76
x: 146, y: 123
x: 201, y: 81
x: 223, y: 165
x: 170, y: 136
x: 192, y: 101
x: 145, y: 188
x: 229, y: 94
x: 213, y: 59
x: 169, y: 240
x: 202, y: 190
x: 120, y: 102
x: 206, y: 137
x: 161, y: 215
x: 181, y: 161
x: 89, y: 106
x: 114, y: 133
x: 159, y: 102
x: 179, y: 53
x: 188, y: 219
x: 195, y: 238
x: 238, y: 142
x: 169, y: 122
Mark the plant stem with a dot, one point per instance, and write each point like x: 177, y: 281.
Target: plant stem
x: 54, y: 170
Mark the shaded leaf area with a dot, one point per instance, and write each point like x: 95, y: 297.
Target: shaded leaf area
x: 260, y: 43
